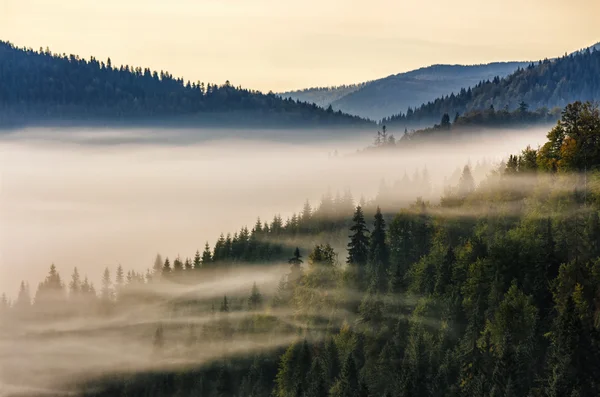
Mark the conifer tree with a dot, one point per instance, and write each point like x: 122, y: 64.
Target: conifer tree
x: 177, y: 266
x: 158, y: 265
x: 107, y: 292
x: 119, y: 281
x: 358, y: 247
x: 198, y: 260
x: 348, y: 383
x: 255, y: 300
x: 166, y: 269
x: 466, y: 183
x: 225, y: 327
x: 75, y: 284
x: 206, y: 256
x: 23, y: 298
x: 379, y: 254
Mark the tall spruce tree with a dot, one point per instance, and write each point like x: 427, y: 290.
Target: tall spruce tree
x: 358, y: 247
x: 378, y: 254
x: 198, y: 260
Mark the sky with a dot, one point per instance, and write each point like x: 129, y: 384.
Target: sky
x: 281, y: 44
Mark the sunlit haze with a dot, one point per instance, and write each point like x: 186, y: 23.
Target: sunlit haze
x: 270, y: 45
x: 78, y: 199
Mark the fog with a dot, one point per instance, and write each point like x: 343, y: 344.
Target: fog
x: 62, y: 347
x: 97, y: 198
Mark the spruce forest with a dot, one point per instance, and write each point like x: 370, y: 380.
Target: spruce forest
x: 542, y: 86
x: 42, y: 88
x: 492, y: 290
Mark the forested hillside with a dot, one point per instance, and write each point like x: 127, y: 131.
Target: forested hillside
x: 495, y: 291
x: 548, y: 83
x: 380, y: 98
x: 42, y: 87
x: 472, y: 123
x: 383, y: 97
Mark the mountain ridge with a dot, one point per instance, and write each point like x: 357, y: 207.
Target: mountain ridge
x: 42, y: 87
x: 398, y: 92
x: 379, y: 98
x: 545, y: 84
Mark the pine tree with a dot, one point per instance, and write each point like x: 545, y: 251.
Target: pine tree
x: 158, y: 265
x: 358, y: 247
x: 224, y: 305
x: 75, y: 284
x: 255, y: 300
x: 206, y: 256
x: 177, y: 266
x: 379, y: 254
x: 348, y: 383
x: 225, y: 327
x: 23, y: 298
x: 166, y: 269
x: 119, y: 281
x: 466, y: 184
x: 198, y: 260
x: 107, y: 292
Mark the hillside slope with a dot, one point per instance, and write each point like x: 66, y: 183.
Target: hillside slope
x: 41, y: 87
x: 380, y: 98
x: 392, y: 94
x: 548, y: 83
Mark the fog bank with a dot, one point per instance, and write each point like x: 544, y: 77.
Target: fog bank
x: 100, y: 198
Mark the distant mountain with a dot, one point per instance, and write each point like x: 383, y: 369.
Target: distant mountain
x: 392, y: 94
x: 380, y: 98
x: 322, y: 96
x: 41, y: 88
x: 545, y: 84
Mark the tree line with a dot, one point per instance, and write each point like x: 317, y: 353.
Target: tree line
x: 41, y: 86
x: 546, y: 84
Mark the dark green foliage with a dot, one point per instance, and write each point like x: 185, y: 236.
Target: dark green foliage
x: 378, y: 254
x: 358, y: 250
x: 500, y: 302
x: 206, y: 258
x: 547, y: 84
x: 41, y: 87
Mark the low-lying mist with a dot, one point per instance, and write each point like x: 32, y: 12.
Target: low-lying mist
x: 97, y: 198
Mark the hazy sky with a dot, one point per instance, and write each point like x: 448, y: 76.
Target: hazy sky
x: 279, y: 45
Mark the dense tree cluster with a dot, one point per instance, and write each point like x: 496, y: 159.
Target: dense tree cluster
x: 44, y: 87
x: 477, y: 121
x: 549, y: 83
x: 493, y: 292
